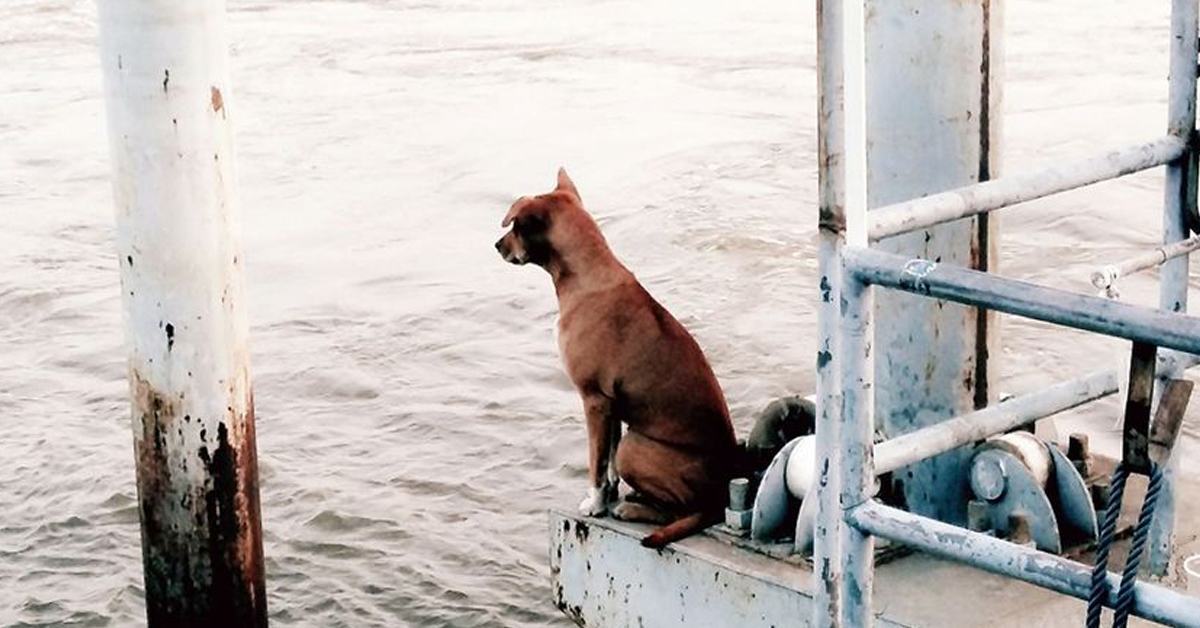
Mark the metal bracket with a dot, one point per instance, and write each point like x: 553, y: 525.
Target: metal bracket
x: 1135, y: 443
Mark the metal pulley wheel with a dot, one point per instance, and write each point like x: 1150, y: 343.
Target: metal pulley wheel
x: 1027, y: 486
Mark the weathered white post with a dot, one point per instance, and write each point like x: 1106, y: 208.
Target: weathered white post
x: 166, y: 74
x: 1180, y: 192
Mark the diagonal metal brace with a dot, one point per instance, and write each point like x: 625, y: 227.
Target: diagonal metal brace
x: 1135, y: 442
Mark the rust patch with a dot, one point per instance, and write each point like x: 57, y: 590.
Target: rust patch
x: 201, y: 537
x: 218, y: 102
x: 831, y: 219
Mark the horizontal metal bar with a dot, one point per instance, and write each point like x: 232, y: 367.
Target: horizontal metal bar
x: 906, y: 449
x: 1105, y: 277
x: 1095, y: 314
x: 983, y: 197
x: 1152, y: 602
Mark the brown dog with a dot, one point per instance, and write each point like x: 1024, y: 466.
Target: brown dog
x: 634, y: 363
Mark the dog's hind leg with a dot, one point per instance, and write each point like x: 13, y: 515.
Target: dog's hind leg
x: 660, y: 473
x: 626, y: 510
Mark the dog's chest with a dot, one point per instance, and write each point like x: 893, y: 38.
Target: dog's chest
x: 590, y: 340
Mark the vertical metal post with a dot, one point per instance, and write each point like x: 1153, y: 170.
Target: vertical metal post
x: 166, y: 74
x: 934, y: 127
x: 856, y: 335
x: 1180, y: 198
x: 842, y: 554
x: 827, y: 567
x: 858, y: 473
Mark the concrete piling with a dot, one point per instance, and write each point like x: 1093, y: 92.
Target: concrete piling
x: 169, y: 106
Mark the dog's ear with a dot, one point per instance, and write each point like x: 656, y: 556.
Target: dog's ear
x: 565, y: 184
x: 515, y: 210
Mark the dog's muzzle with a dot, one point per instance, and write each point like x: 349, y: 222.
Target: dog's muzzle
x: 507, y: 253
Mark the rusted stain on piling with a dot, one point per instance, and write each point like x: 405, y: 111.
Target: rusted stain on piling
x: 201, y: 532
x: 218, y: 101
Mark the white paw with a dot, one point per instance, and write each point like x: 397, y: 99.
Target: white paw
x: 594, y: 505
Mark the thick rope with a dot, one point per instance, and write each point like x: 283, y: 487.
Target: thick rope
x: 1108, y: 528
x: 1129, y: 575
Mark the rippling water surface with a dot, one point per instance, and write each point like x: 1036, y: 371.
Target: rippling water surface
x: 414, y: 423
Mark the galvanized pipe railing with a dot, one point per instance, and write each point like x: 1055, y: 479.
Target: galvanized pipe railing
x: 849, y: 269
x: 831, y: 237
x: 1152, y: 602
x: 901, y: 451
x: 1105, y: 277
x: 863, y: 268
x: 984, y: 290
x: 987, y: 196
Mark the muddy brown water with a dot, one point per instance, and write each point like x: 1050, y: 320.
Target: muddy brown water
x: 414, y: 423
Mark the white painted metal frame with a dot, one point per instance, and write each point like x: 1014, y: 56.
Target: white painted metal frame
x: 849, y: 518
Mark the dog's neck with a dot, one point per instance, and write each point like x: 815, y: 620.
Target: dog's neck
x: 586, y: 270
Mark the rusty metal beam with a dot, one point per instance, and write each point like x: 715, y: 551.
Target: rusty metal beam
x: 989, y: 553
x: 166, y: 85
x: 1135, y: 441
x: 987, y: 196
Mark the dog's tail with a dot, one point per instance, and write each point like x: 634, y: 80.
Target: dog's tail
x: 680, y: 528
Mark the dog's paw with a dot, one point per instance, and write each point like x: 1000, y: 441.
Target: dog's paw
x: 595, y: 504
x: 633, y: 511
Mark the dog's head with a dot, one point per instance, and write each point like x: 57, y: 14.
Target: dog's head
x: 545, y: 226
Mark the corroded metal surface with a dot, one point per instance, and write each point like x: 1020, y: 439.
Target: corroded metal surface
x: 933, y: 104
x: 601, y: 576
x: 831, y: 174
x: 1135, y: 440
x: 168, y: 103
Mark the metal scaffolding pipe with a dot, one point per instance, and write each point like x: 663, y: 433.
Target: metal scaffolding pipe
x: 831, y: 175
x: 1179, y: 200
x: 1152, y: 602
x: 166, y: 85
x: 906, y: 449
x: 857, y: 432
x: 1095, y: 314
x: 1107, y: 276
x: 984, y: 197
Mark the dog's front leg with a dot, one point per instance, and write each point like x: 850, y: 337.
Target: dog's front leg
x: 614, y: 424
x: 604, y: 431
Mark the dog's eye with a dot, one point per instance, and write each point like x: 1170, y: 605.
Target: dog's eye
x: 530, y: 224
